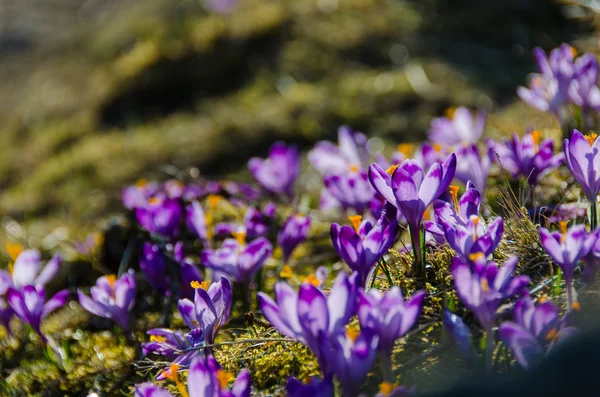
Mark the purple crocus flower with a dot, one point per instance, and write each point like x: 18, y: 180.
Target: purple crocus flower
x: 305, y: 314
x: 153, y: 265
x: 294, y: 231
x: 236, y: 260
x: 111, y: 298
x: 410, y: 190
x: 389, y: 317
x: 583, y: 90
x: 362, y: 246
x: 428, y: 154
x: 459, y: 127
x: 531, y: 157
x: 481, y: 288
x: 548, y: 91
x: 279, y: 171
x: 315, y: 387
x: 567, y: 248
x: 583, y: 160
x: 137, y: 195
x: 473, y: 167
x: 350, y: 355
x: 28, y: 270
x: 29, y: 304
x: 175, y: 346
x: 351, y: 152
x: 205, y: 379
x: 160, y: 215
x: 195, y: 220
x: 256, y: 224
x: 210, y: 309
x: 457, y: 213
x: 535, y: 329
x: 351, y: 189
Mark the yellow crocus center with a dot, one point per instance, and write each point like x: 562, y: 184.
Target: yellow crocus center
x: 202, y: 285
x: 386, y: 388
x: 476, y: 256
x: 354, y: 168
x: 406, y: 149
x: 157, y: 338
x: 485, y: 286
x: 286, y: 272
x: 174, y: 376
x: 552, y: 334
x: 154, y: 200
x: 240, y: 237
x: 111, y: 278
x: 576, y: 306
x: 141, y: 183
x: 449, y: 112
x: 355, y: 220
x: 454, y: 194
x: 352, y: 332
x: 391, y: 169
x: 542, y: 299
x: 591, y: 138
x: 312, y: 279
x: 475, y: 223
x: 213, y: 200
x: 14, y: 250
x: 427, y: 214
x: 437, y: 147
x: 224, y: 377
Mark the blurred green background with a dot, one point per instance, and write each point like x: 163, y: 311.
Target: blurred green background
x: 98, y: 93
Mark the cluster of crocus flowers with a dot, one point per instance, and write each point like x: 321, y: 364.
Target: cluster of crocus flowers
x: 111, y: 298
x: 534, y: 330
x: 530, y: 157
x: 277, y: 174
x: 481, y: 287
x: 563, y: 80
x: 364, y: 244
x: 411, y: 191
x: 205, y: 379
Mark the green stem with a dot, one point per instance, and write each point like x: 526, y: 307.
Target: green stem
x: 375, y: 274
x: 416, y: 245
x: 593, y: 215
x: 570, y: 297
x: 386, y: 270
x: 489, y: 349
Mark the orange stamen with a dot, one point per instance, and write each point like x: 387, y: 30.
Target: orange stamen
x: 14, y: 250
x: 576, y: 306
x: 591, y: 138
x: 485, y: 286
x: 563, y: 230
x: 386, y: 388
x: 573, y: 51
x: 239, y: 236
x: 542, y: 299
x: 437, y: 147
x: 174, y: 376
x: 406, y: 149
x: 312, y: 279
x: 454, y: 194
x: 157, y: 338
x: 286, y: 272
x: 449, y: 113
x: 141, y: 183
x: 536, y: 136
x: 202, y: 285
x: 354, y: 168
x: 355, y: 220
x: 552, y: 334
x: 475, y: 257
x: 111, y: 278
x: 352, y: 332
x: 154, y: 200
x: 224, y: 377
x: 391, y: 169
x: 213, y: 200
